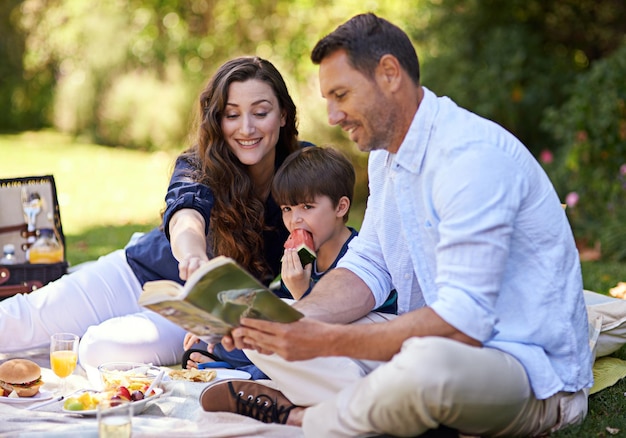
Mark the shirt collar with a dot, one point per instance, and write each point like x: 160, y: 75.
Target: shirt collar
x: 412, y: 151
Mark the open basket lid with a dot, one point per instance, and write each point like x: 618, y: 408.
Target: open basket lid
x: 13, y: 227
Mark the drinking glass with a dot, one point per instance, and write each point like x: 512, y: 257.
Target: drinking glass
x: 31, y: 204
x: 63, y: 356
x: 114, y: 418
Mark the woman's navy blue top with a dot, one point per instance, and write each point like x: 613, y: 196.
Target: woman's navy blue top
x: 151, y: 258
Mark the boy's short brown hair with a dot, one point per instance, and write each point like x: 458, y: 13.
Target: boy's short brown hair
x: 311, y: 172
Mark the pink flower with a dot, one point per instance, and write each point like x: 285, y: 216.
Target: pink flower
x: 622, y: 169
x: 571, y: 199
x: 546, y: 156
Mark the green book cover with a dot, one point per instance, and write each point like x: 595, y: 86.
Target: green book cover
x: 214, y: 298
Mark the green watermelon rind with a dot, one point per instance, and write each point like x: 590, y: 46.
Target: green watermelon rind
x: 306, y: 255
x: 305, y: 252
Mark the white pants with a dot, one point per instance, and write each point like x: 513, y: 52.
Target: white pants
x: 432, y: 381
x: 99, y: 303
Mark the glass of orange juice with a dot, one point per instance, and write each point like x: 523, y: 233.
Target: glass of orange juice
x: 63, y: 356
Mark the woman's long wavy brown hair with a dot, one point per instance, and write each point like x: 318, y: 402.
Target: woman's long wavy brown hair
x: 237, y: 219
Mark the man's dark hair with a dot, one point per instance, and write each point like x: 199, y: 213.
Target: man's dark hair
x: 365, y: 39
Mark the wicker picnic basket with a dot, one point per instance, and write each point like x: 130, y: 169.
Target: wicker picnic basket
x: 24, y: 277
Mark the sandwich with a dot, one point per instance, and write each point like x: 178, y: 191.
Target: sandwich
x: 21, y: 377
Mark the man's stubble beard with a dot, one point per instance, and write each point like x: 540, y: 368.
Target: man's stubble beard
x: 381, y: 130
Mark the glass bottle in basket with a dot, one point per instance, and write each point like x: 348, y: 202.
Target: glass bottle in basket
x: 31, y: 205
x: 9, y: 255
x: 46, y: 248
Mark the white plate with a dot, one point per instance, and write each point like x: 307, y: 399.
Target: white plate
x: 40, y: 396
x: 223, y: 374
x: 138, y: 406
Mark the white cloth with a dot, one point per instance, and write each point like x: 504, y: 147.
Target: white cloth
x: 464, y: 219
x: 308, y: 382
x: 176, y: 413
x: 98, y: 303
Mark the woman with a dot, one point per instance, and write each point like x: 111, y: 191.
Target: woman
x: 218, y: 202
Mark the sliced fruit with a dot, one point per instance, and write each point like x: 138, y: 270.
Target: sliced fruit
x: 302, y: 241
x: 123, y: 392
x: 72, y: 404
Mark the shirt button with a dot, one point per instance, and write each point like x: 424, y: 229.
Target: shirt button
x: 407, y: 276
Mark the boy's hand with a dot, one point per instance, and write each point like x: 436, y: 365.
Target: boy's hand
x: 296, y: 278
x: 190, y: 340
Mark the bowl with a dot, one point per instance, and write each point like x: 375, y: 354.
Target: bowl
x: 132, y: 375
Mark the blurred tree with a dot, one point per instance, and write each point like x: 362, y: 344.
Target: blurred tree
x: 590, y: 170
x: 111, y: 61
x: 90, y: 68
x: 510, y: 60
x: 24, y: 97
x: 127, y: 72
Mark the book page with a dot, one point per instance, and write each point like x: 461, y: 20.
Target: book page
x: 229, y: 292
x: 160, y: 290
x: 191, y: 318
x: 215, y: 298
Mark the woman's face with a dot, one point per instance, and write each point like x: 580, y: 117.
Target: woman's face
x: 252, y: 121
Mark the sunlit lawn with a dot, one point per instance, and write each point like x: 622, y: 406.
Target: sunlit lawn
x: 106, y: 194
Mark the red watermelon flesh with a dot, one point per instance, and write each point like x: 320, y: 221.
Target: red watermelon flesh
x: 302, y: 241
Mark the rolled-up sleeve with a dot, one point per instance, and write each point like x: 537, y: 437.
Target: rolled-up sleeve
x: 477, y: 212
x: 184, y: 192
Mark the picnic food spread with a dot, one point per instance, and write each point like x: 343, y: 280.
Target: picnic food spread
x: 131, y: 385
x: 193, y: 375
x: 89, y: 400
x: 20, y: 378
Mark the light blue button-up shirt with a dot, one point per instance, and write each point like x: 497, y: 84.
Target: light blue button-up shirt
x: 463, y: 219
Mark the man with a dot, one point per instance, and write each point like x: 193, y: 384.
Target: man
x: 492, y: 335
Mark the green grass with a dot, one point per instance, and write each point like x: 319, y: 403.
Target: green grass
x: 607, y: 411
x: 106, y: 194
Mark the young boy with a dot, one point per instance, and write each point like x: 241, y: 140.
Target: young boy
x: 314, y: 189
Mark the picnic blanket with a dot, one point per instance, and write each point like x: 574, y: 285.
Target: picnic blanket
x: 177, y: 411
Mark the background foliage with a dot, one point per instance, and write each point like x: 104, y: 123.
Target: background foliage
x: 127, y: 72
x: 590, y: 171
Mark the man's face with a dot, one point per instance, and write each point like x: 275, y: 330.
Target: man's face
x: 356, y: 103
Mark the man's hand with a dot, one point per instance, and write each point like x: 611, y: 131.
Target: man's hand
x: 300, y: 340
x: 309, y: 338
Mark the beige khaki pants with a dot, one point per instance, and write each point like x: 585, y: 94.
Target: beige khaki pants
x: 432, y: 381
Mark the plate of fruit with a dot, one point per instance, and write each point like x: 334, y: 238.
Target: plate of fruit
x: 86, y: 402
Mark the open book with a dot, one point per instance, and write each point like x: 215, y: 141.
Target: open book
x: 213, y: 300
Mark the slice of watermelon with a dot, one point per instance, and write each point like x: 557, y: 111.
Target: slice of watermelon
x: 302, y: 241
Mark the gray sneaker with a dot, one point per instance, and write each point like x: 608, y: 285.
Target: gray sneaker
x: 246, y: 397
